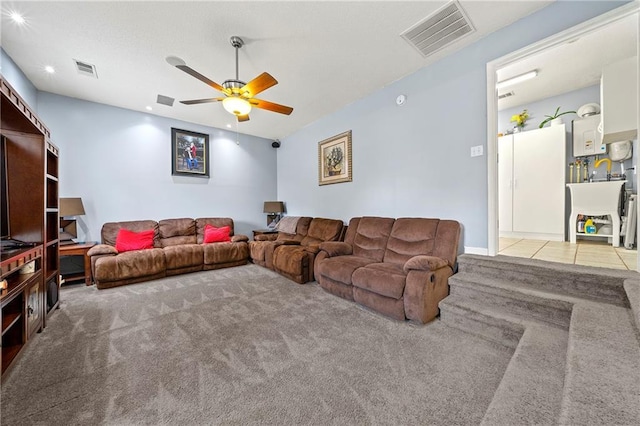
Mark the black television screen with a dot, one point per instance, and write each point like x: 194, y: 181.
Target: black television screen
x: 5, y: 231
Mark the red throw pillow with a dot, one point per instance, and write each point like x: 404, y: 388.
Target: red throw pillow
x: 216, y: 235
x: 130, y: 240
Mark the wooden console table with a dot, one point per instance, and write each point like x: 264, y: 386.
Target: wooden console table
x: 79, y: 249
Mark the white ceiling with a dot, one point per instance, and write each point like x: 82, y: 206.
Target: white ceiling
x: 572, y: 65
x: 324, y: 54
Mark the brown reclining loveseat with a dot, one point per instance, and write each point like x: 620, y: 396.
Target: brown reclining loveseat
x: 398, y: 267
x: 293, y: 255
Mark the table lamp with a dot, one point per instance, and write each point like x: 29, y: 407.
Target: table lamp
x: 68, y: 227
x: 273, y: 210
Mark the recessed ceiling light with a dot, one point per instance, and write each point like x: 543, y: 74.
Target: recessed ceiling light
x: 228, y: 126
x: 17, y: 18
x: 50, y: 69
x: 149, y: 108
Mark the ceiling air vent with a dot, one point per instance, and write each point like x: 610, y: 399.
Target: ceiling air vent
x: 86, y: 69
x: 506, y: 95
x: 165, y: 100
x: 443, y: 27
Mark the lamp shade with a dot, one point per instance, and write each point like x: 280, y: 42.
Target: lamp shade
x: 71, y: 207
x: 236, y: 105
x: 273, y: 207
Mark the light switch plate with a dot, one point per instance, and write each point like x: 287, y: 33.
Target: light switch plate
x: 476, y: 151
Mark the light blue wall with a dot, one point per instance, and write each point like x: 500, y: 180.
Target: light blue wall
x: 16, y: 78
x: 414, y: 160
x: 569, y: 101
x: 119, y: 162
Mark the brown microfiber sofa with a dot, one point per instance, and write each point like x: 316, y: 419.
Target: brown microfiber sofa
x: 178, y: 249
x: 398, y: 267
x: 293, y: 255
x: 261, y: 249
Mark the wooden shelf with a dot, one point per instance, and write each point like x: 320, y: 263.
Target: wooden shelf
x: 32, y: 197
x: 9, y: 319
x: 8, y: 354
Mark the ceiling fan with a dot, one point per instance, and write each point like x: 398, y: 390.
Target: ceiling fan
x: 238, y: 96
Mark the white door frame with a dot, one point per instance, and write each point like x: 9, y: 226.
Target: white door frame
x: 492, y: 103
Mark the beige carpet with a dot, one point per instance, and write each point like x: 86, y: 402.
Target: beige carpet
x: 244, y: 346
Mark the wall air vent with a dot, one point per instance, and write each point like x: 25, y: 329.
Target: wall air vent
x: 86, y: 69
x: 506, y: 95
x: 443, y: 27
x: 165, y: 100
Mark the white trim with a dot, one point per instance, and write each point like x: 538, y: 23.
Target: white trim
x: 533, y: 236
x: 476, y: 250
x: 492, y: 104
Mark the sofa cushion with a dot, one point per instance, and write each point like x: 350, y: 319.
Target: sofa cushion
x: 386, y: 279
x: 131, y: 264
x: 410, y: 237
x: 290, y: 259
x: 177, y: 231
x: 301, y: 230
x: 109, y: 231
x: 341, y: 268
x: 371, y: 237
x: 183, y: 256
x: 130, y: 240
x: 321, y: 230
x: 221, y: 253
x: 216, y: 235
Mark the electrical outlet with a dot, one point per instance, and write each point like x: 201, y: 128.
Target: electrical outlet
x: 476, y: 151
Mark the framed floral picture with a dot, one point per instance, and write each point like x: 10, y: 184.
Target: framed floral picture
x: 189, y: 153
x: 334, y: 159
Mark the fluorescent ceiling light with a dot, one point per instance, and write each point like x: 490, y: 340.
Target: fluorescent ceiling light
x: 517, y: 79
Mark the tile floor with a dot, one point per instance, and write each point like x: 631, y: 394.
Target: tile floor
x: 585, y: 252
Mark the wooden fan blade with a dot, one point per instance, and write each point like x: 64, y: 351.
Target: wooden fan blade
x: 258, y: 84
x: 201, y: 101
x: 270, y: 106
x: 242, y: 118
x: 201, y: 77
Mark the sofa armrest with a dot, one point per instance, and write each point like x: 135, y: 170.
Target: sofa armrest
x: 101, y: 249
x: 313, y: 249
x: 265, y: 237
x: 239, y: 238
x: 424, y: 263
x: 336, y: 248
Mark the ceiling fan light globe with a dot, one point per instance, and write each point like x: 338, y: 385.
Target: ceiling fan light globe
x: 236, y: 105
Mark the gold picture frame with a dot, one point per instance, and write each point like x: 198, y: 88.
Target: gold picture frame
x: 334, y: 159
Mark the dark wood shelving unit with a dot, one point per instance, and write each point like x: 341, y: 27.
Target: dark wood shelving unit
x: 32, y: 271
x: 9, y: 320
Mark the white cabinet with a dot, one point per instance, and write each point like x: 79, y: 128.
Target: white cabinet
x: 618, y: 95
x: 531, y: 184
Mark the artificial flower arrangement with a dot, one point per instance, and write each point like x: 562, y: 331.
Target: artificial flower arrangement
x: 520, y: 119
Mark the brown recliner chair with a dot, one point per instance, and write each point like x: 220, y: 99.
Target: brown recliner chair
x: 294, y: 259
x: 398, y: 267
x: 261, y: 250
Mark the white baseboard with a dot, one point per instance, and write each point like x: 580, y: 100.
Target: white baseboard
x: 476, y: 250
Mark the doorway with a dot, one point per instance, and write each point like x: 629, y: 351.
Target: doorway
x: 527, y: 55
